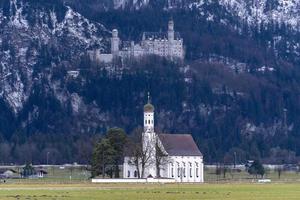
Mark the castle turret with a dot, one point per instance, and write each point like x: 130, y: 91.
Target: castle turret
x: 171, y: 30
x: 115, y: 43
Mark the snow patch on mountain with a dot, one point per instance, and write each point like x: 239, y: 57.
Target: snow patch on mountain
x: 265, y: 11
x: 17, y: 18
x: 27, y: 29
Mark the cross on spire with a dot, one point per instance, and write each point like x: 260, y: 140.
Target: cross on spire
x: 148, y: 97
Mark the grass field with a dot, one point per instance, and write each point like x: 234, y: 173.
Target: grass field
x: 81, y: 175
x: 150, y: 192
x: 74, y: 184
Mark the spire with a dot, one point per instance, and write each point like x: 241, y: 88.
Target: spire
x: 149, y: 107
x: 149, y: 98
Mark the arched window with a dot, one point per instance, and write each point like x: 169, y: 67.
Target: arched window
x: 184, y: 170
x: 128, y: 174
x: 145, y: 121
x: 149, y: 121
x: 172, y: 170
x: 191, y: 170
x: 178, y: 170
x: 135, y: 174
x: 197, y: 170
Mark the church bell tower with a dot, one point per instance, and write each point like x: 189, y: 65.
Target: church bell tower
x: 149, y: 138
x: 149, y: 116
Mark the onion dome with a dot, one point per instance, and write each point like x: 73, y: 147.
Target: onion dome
x: 148, y: 107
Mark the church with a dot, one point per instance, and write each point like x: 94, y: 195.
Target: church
x: 181, y: 159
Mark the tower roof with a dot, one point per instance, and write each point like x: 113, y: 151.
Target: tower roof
x: 148, y: 107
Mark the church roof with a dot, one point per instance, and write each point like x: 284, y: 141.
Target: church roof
x: 179, y: 145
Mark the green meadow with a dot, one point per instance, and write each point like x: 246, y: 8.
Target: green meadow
x: 74, y: 184
x: 244, y: 191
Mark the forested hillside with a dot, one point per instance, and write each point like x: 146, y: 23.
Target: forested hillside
x: 237, y: 91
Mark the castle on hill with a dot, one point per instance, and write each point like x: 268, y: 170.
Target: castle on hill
x: 121, y: 4
x: 165, y: 44
x: 178, y: 157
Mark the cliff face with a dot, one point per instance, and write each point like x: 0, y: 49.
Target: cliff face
x: 34, y: 33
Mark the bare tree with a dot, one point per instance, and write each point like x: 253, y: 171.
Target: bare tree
x: 141, y: 153
x: 135, y: 152
x: 162, y: 158
x: 279, y: 170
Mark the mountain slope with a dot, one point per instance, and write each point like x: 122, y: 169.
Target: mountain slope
x: 232, y: 92
x: 266, y: 11
x: 29, y: 31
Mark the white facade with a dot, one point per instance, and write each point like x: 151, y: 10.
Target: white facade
x: 97, y: 56
x: 169, y: 45
x: 115, y: 43
x: 187, y: 167
x: 184, y: 169
x: 132, y: 180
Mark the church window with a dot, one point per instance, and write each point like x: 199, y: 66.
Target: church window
x: 145, y: 121
x: 197, y: 170
x: 191, y: 173
x: 149, y: 121
x: 184, y: 170
x: 128, y: 174
x: 152, y: 121
x: 172, y: 171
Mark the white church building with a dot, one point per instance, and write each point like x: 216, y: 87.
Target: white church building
x: 165, y: 44
x: 183, y: 161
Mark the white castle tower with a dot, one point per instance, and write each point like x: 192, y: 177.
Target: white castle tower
x: 149, y: 138
x: 171, y: 33
x: 171, y: 38
x: 115, y: 43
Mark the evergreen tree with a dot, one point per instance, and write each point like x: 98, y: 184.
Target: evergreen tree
x: 103, y: 156
x: 117, y: 138
x: 256, y: 169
